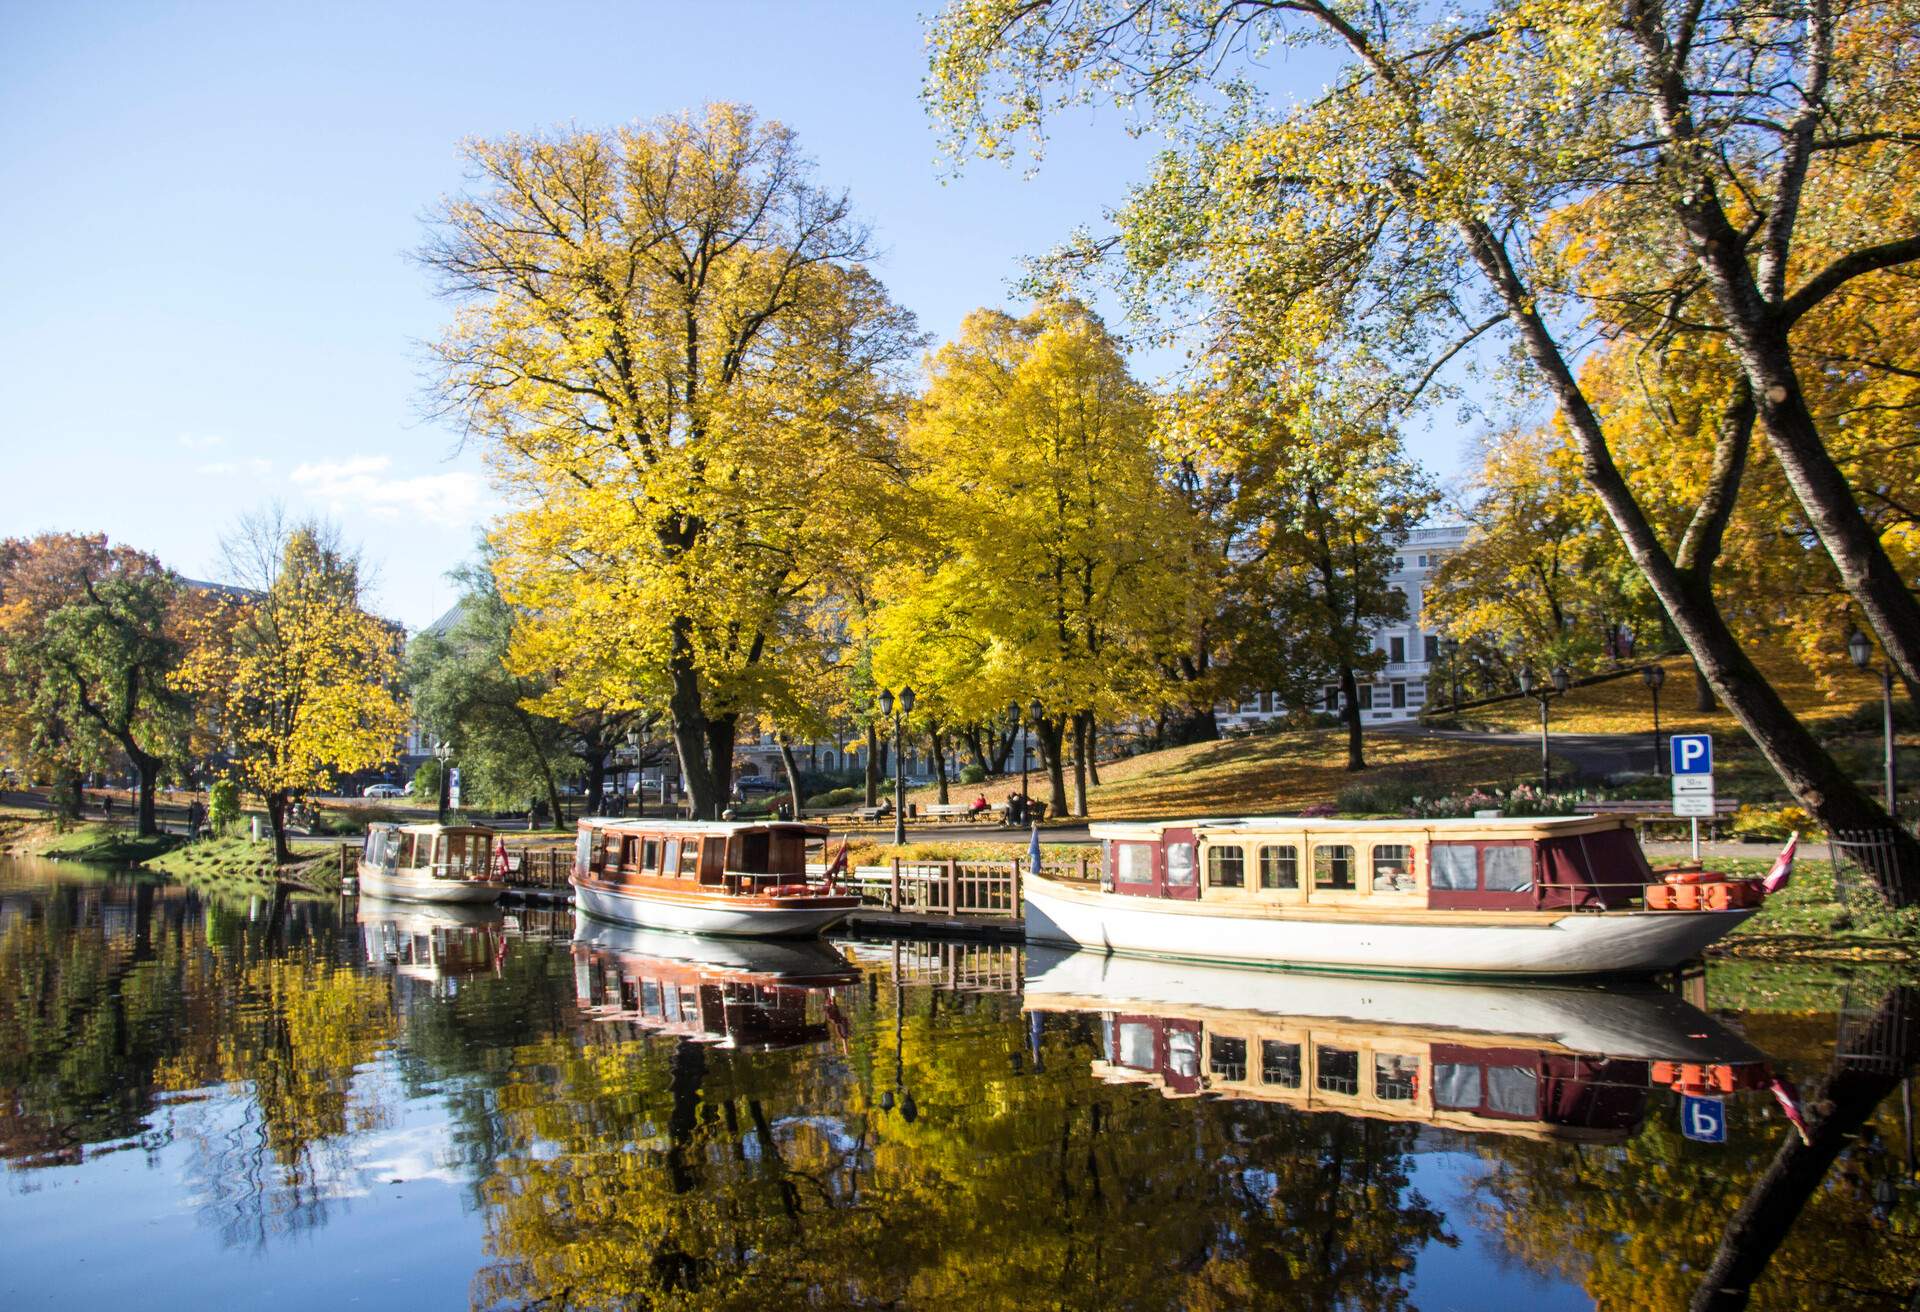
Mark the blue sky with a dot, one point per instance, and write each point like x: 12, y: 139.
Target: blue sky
x: 208, y: 208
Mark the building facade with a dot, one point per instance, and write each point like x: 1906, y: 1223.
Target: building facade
x: 1413, y: 672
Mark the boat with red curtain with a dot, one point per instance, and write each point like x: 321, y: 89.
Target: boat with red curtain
x: 1557, y: 895
x: 737, y: 879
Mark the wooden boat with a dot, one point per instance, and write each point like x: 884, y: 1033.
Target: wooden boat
x: 1553, y: 1061
x: 431, y: 863
x: 738, y: 879
x: 1493, y: 896
x: 732, y: 993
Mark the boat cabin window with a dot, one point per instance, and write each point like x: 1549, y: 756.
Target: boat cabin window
x: 1336, y: 1070
x: 1396, y: 1076
x: 670, y: 861
x: 1392, y: 867
x: 1279, y: 866
x: 1456, y: 1085
x: 1180, y: 865
x: 583, y: 851
x: 1136, y: 1044
x: 690, y: 859
x: 1454, y: 866
x: 650, y: 855
x: 1183, y: 1053
x: 407, y: 846
x: 1226, y: 867
x: 748, y: 854
x: 1507, y: 869
x: 1513, y: 1091
x: 1227, y: 1058
x: 1333, y: 866
x: 1132, y: 863
x: 1280, y: 1063
x: 1489, y: 867
x: 787, y: 852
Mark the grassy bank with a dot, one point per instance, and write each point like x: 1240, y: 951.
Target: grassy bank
x: 238, y: 862
x: 1271, y: 773
x: 1808, y: 919
x: 94, y: 841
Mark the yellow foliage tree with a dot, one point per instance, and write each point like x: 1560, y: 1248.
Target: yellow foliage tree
x: 297, y: 676
x: 681, y: 369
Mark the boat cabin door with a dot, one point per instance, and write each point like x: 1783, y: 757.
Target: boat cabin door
x: 1179, y: 865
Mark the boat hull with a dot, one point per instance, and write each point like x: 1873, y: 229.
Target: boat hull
x: 399, y: 886
x: 687, y: 915
x: 1497, y: 944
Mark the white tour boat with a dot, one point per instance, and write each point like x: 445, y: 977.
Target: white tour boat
x: 1483, y: 896
x: 431, y: 863
x: 738, y: 879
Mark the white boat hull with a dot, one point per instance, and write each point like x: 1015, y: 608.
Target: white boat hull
x: 705, y: 917
x: 404, y: 887
x: 1583, y: 943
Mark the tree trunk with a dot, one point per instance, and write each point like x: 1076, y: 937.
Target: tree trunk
x: 976, y: 746
x: 1051, y: 732
x: 149, y: 768
x: 873, y: 766
x: 1196, y: 724
x: 546, y: 769
x: 1093, y: 751
x: 706, y: 795
x: 277, y: 822
x: 721, y: 731
x: 1809, y: 773
x: 793, y: 775
x: 939, y: 750
x: 1703, y: 698
x: 1080, y: 736
x: 596, y: 798
x: 1350, y: 716
x: 1003, y: 749
x: 1855, y: 1087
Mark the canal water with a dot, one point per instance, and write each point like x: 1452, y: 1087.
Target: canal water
x: 210, y: 1101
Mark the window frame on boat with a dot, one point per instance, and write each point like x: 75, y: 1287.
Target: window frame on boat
x: 1226, y: 865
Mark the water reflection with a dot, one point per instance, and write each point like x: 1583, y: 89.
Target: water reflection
x: 513, y: 1110
x: 1544, y: 1061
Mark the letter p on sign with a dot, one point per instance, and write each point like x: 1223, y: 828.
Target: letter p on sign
x: 1692, y: 753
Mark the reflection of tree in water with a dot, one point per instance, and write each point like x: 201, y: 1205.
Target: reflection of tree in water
x: 1766, y: 1220
x: 651, y: 1173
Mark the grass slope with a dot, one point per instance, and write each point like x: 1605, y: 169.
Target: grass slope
x: 237, y: 861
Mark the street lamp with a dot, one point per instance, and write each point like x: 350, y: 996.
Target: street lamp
x: 1035, y: 711
x: 1860, y: 648
x: 899, y: 759
x: 1527, y: 689
x: 1451, y: 646
x: 444, y: 753
x: 1655, y: 675
x: 633, y: 765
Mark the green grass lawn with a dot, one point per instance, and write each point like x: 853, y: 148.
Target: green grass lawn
x: 1809, y: 917
x: 236, y: 860
x: 104, y: 844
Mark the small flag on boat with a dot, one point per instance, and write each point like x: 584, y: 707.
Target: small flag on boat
x: 838, y: 866
x: 1782, y: 867
x: 1033, y: 852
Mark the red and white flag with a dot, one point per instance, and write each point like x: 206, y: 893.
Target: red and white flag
x: 838, y: 866
x: 1782, y: 867
x: 1783, y: 1093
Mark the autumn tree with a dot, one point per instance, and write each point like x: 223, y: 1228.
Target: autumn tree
x: 299, y: 676
x: 1393, y: 221
x: 86, y: 650
x: 681, y: 368
x: 1047, y: 525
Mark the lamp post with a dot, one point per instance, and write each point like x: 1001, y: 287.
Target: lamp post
x: 633, y: 766
x: 1451, y: 646
x: 899, y: 759
x: 1860, y: 648
x: 1527, y: 688
x: 1655, y: 675
x: 444, y: 753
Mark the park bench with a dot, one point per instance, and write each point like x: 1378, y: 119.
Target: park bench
x: 1653, y: 810
x: 870, y: 812
x: 949, y: 811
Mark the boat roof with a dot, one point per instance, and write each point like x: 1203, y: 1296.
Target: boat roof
x: 431, y: 828
x: 1258, y: 823
x: 649, y: 825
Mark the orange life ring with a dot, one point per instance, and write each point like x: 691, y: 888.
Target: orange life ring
x: 1693, y: 877
x: 791, y: 890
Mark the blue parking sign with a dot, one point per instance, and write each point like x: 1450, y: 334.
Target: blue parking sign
x: 1704, y: 1120
x: 1692, y: 753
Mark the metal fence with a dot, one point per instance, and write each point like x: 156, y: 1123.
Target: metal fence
x: 1867, y: 862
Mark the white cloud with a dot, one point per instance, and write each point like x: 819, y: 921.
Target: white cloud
x: 366, y: 483
x: 201, y: 441
x: 220, y: 468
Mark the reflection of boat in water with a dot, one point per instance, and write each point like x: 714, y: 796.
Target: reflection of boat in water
x: 733, y: 992
x: 1556, y: 1061
x: 431, y: 942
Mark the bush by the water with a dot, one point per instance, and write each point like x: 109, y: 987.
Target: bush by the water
x: 223, y: 805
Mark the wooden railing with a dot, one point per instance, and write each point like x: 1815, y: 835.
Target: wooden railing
x: 539, y: 867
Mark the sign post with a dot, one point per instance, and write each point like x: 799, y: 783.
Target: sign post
x: 1692, y: 780
x: 453, y: 788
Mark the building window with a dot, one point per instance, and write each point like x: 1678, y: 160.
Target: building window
x: 1392, y: 867
x: 1226, y: 867
x: 1333, y: 866
x: 1227, y: 1058
x: 1433, y: 647
x: 1279, y: 866
x: 1366, y: 696
x: 1396, y: 1076
x: 1400, y: 696
x: 1336, y: 1070
x: 1266, y: 702
x: 1333, y: 699
x: 1280, y: 1063
x: 1397, y: 650
x: 1132, y: 863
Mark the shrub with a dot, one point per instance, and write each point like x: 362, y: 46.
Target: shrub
x: 975, y: 773
x: 838, y: 797
x: 223, y: 805
x: 1774, y: 822
x: 426, y: 779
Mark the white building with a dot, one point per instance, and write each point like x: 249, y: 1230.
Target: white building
x: 1400, y: 690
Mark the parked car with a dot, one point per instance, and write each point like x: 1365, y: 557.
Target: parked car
x: 384, y: 790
